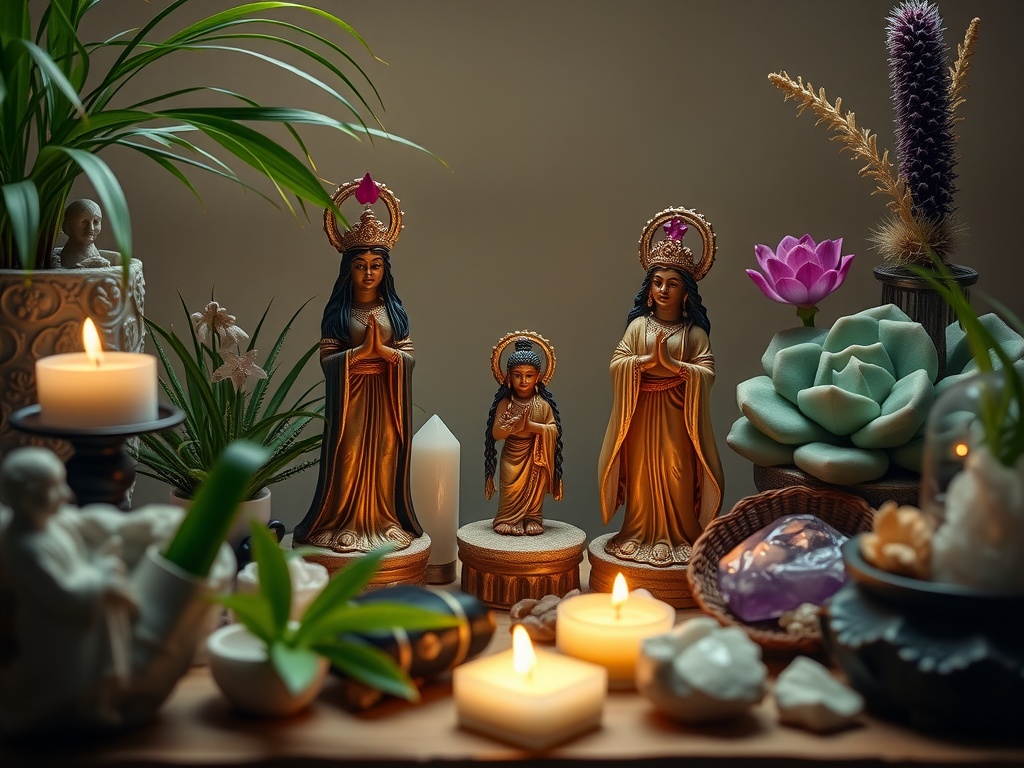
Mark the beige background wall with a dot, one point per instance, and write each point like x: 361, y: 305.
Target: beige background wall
x: 565, y: 125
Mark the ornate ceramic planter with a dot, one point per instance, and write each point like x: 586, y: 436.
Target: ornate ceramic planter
x: 41, y: 313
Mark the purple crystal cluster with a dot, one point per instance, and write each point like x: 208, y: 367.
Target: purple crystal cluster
x: 919, y: 74
x: 794, y: 560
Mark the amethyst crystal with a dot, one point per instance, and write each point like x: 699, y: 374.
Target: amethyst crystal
x: 919, y: 73
x: 794, y: 560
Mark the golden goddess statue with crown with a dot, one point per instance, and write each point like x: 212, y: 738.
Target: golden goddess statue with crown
x: 362, y: 498
x: 659, y: 456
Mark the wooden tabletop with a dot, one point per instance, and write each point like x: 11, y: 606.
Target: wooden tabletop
x: 197, y: 727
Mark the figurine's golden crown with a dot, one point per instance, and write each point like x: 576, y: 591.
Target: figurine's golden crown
x: 369, y: 231
x: 670, y: 252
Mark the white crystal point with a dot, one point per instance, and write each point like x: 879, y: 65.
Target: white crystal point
x: 702, y: 672
x: 809, y: 697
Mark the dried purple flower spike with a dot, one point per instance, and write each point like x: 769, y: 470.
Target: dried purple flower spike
x: 919, y: 74
x: 675, y: 229
x: 366, y: 192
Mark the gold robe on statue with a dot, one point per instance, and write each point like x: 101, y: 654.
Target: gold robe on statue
x: 362, y: 498
x: 527, y: 467
x: 659, y: 455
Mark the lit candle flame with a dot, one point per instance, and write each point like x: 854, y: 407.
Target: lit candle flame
x: 620, y: 592
x: 91, y: 340
x: 523, y: 657
x: 960, y: 449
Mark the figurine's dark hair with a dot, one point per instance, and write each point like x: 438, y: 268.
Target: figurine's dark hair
x: 693, y: 310
x: 338, y: 312
x: 524, y: 355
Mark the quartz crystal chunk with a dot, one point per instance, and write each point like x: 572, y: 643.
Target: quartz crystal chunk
x: 793, y: 560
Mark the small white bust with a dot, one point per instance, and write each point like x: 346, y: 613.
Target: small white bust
x: 83, y: 222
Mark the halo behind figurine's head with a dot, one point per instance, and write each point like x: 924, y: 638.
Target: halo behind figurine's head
x: 524, y: 354
x: 670, y: 252
x: 369, y: 231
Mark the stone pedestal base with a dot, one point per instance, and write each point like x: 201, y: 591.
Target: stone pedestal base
x: 502, y: 570
x: 667, y: 583
x: 406, y: 566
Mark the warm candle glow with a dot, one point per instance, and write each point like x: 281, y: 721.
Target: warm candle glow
x: 523, y: 657
x: 960, y: 449
x: 91, y: 340
x: 620, y: 592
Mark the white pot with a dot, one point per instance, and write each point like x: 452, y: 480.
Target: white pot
x: 253, y: 509
x: 244, y: 674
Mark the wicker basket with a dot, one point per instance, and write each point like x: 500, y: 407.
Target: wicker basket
x: 847, y: 514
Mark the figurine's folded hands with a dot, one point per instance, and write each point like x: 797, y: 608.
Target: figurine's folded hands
x: 665, y: 358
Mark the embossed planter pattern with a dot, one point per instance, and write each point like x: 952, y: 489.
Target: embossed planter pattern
x: 41, y: 313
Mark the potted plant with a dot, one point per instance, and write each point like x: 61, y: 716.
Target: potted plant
x: 926, y: 93
x: 62, y: 102
x: 218, y: 360
x: 270, y: 666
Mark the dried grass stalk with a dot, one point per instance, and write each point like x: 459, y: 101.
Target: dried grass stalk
x: 958, y: 72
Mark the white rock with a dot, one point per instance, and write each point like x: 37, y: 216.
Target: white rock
x: 809, y: 697
x: 308, y: 580
x: 981, y: 542
x: 701, y: 672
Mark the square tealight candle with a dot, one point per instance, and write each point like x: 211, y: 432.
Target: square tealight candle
x: 531, y: 706
x: 608, y: 629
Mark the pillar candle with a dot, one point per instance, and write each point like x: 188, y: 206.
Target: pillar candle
x: 91, y: 389
x: 434, y: 477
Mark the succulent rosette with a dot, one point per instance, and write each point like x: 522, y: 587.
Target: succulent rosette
x: 801, y: 272
x: 840, y: 404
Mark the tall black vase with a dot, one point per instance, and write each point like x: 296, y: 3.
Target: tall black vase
x: 914, y: 296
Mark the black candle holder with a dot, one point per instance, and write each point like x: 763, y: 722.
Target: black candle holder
x: 100, y: 471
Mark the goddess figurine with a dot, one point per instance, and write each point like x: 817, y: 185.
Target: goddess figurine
x: 362, y: 497
x: 659, y: 456
x: 525, y: 416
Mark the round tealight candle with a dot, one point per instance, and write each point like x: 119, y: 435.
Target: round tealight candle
x: 592, y: 628
x: 91, y: 389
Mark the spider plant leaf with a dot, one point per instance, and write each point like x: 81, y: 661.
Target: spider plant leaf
x: 344, y: 586
x: 252, y: 610
x: 297, y: 667
x: 21, y: 207
x: 369, y: 618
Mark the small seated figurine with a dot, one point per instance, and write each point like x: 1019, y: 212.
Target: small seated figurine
x: 525, y: 416
x: 83, y: 222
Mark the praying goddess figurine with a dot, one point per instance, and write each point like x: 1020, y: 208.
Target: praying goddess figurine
x: 659, y: 457
x: 362, y: 497
x: 525, y: 416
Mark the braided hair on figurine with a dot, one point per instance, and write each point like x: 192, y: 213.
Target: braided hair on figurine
x: 524, y: 354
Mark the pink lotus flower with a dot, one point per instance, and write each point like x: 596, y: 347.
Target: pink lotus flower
x: 801, y: 272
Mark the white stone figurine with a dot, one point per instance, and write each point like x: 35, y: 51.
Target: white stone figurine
x: 86, y: 654
x: 701, y: 672
x: 83, y: 222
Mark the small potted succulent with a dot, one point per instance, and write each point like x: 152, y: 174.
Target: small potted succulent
x: 218, y: 361
x: 926, y: 93
x: 269, y: 666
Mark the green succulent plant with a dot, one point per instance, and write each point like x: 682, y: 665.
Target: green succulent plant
x: 62, y: 101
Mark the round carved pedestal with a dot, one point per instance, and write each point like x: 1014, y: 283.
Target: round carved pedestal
x: 502, y: 570
x: 406, y: 566
x: 668, y: 584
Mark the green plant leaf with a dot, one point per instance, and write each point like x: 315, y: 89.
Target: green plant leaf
x: 297, y: 667
x: 252, y: 610
x: 52, y: 76
x: 369, y: 665
x: 344, y: 586
x: 21, y: 203
x: 274, y: 579
x: 367, y: 618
